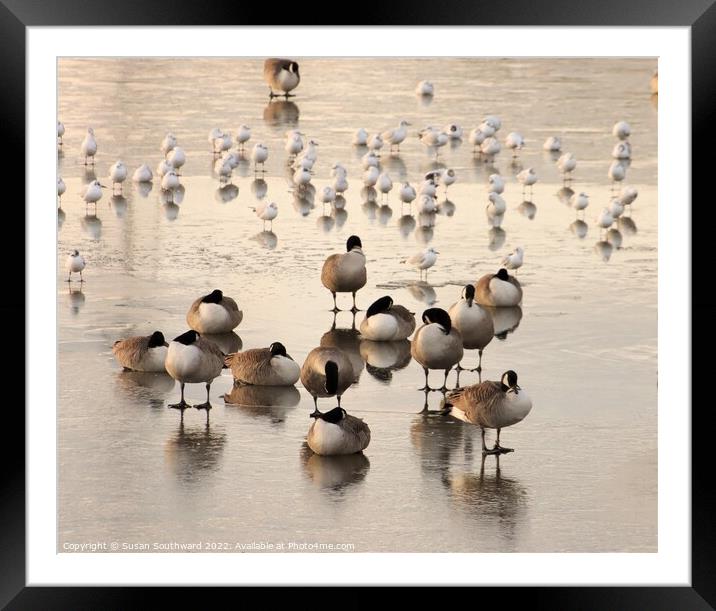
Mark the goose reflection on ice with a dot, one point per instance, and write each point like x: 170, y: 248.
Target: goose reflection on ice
x: 227, y: 342
x: 422, y: 291
x: 281, y: 112
x: 496, y: 237
x: 226, y: 193
x: 505, y: 320
x: 141, y: 386
x: 490, y: 497
x: 347, y: 340
x: 435, y: 438
x: 194, y: 451
x: 527, y: 209
x: 604, y: 249
x: 383, y: 358
x: 579, y: 228
x: 272, y: 402
x: 334, y: 473
x: 267, y: 239
x: 406, y: 225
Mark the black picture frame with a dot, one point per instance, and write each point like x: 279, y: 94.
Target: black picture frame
x: 699, y: 15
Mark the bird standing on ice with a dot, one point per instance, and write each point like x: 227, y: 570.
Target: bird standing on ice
x: 266, y: 212
x: 88, y: 147
x: 75, y: 264
x: 515, y: 259
x: 282, y: 75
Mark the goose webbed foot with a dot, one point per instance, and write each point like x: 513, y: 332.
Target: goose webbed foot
x: 182, y: 405
x: 478, y: 369
x: 354, y: 309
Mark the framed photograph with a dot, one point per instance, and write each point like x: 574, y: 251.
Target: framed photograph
x: 359, y: 305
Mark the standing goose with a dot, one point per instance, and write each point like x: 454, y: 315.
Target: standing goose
x: 437, y: 344
x: 387, y: 322
x: 473, y: 323
x: 282, y: 75
x: 214, y: 313
x: 499, y: 290
x: 142, y: 353
x: 345, y: 273
x: 326, y: 372
x: 336, y: 433
x: 491, y: 405
x: 264, y: 366
x: 192, y: 359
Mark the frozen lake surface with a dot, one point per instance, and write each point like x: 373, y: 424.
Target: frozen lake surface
x: 583, y: 477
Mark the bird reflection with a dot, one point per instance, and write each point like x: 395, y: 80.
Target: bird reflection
x: 564, y: 195
x: 604, y: 249
x: 227, y: 342
x: 551, y: 155
x: 334, y: 473
x: 383, y: 358
x: 226, y: 193
x: 244, y: 166
x: 259, y: 187
x: 92, y: 226
x: 489, y: 497
x: 446, y: 208
x: 281, y: 112
x: 171, y: 211
x: 395, y: 166
x: 626, y: 225
x: 579, y: 228
x: 424, y: 234
x: 272, y: 402
x: 88, y: 175
x: 144, y: 188
x: 385, y: 213
x: 435, y: 438
x: 340, y: 216
x: 339, y: 203
x: 425, y: 100
x: 60, y: 217
x: 118, y: 203
x: 432, y: 166
x: 406, y: 225
x: 527, y: 209
x: 614, y: 237
x: 368, y: 194
x: 267, y: 239
x: 496, y: 237
x: 76, y: 300
x: 347, y: 340
x: 194, y: 451
x: 370, y: 209
x: 325, y: 222
x: 422, y: 291
x: 505, y: 320
x: 302, y: 203
x: 516, y: 166
x: 145, y: 386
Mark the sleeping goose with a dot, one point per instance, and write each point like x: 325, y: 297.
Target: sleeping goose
x: 264, y: 366
x: 326, y: 372
x: 437, y: 345
x: 345, y: 272
x: 193, y: 359
x: 214, y: 313
x: 282, y: 75
x: 498, y: 289
x: 387, y: 322
x: 491, y: 405
x: 336, y: 432
x: 141, y: 353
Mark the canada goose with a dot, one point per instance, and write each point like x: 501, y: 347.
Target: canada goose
x: 214, y: 313
x: 141, y: 353
x: 491, y: 405
x: 345, y: 273
x: 326, y: 372
x: 498, y: 289
x: 386, y: 322
x: 75, y: 264
x: 264, y: 366
x: 193, y: 359
x: 473, y: 323
x: 437, y: 344
x: 88, y: 148
x: 336, y: 432
x: 281, y: 74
